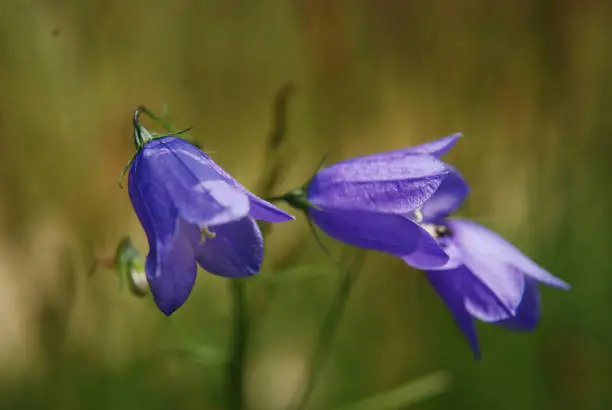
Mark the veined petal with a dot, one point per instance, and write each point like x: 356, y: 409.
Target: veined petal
x: 483, y: 243
x: 528, y: 314
x: 171, y: 270
x: 259, y: 209
x: 198, y: 193
x: 447, y: 199
x: 389, y: 233
x: 379, y: 184
x: 448, y: 286
x: 235, y: 251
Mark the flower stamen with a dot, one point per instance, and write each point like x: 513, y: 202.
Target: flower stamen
x: 206, y: 234
x: 441, y: 231
x: 436, y: 231
x: 418, y: 215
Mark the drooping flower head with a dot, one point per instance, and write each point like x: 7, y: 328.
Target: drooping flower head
x: 365, y: 201
x: 486, y: 277
x: 192, y: 211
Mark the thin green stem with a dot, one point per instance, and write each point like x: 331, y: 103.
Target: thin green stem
x: 237, y: 360
x: 329, y: 328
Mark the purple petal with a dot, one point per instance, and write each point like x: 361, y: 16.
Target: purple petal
x: 171, y: 271
x: 236, y: 250
x: 265, y: 211
x: 229, y: 204
x: 448, y: 285
x: 528, y: 314
x: 490, y: 304
x: 389, y: 233
x: 447, y: 199
x: 198, y: 193
x: 379, y: 184
x: 428, y: 254
x: 437, y: 147
x: 479, y: 300
x: 170, y: 265
x: 483, y: 244
x: 152, y: 205
x: 481, y: 256
x: 260, y: 209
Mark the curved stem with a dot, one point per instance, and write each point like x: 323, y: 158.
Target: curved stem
x: 166, y: 124
x: 329, y: 327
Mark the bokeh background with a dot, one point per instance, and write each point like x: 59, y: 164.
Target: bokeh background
x: 528, y: 83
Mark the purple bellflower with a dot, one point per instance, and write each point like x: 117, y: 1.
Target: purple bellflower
x: 192, y: 211
x: 365, y: 201
x: 486, y: 277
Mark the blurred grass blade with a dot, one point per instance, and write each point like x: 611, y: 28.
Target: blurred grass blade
x: 406, y: 395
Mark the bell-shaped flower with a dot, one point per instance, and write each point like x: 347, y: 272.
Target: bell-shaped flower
x: 365, y: 201
x: 192, y: 211
x: 486, y: 277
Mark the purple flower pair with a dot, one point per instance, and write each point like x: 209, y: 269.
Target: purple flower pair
x: 397, y: 202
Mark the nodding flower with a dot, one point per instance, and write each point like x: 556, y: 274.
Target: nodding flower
x: 486, y: 277
x: 366, y: 201
x: 193, y: 212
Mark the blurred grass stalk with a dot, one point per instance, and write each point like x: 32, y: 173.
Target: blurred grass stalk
x: 406, y: 395
x: 351, y: 265
x: 275, y: 164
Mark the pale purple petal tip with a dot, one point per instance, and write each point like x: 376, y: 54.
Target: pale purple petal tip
x: 437, y: 147
x: 264, y: 211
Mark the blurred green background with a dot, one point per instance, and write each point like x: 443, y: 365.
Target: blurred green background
x: 528, y: 83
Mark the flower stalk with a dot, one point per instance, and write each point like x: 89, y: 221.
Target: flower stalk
x: 236, y: 364
x: 236, y: 368
x: 331, y: 322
